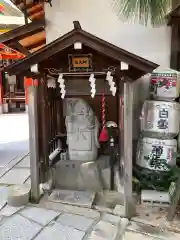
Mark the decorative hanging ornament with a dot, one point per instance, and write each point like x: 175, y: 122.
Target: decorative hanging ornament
x: 62, y: 85
x: 111, y: 83
x: 103, y: 137
x: 92, y: 81
x: 51, y: 83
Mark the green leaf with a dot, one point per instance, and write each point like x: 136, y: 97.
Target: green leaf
x: 143, y: 11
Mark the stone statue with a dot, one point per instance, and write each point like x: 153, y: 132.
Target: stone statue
x: 82, y: 130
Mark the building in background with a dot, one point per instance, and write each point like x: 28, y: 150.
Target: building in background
x: 26, y: 37
x: 10, y: 16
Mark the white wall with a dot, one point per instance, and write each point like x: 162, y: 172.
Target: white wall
x: 97, y: 17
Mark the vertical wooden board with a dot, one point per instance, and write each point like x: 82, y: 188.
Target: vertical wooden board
x: 127, y: 148
x: 33, y: 143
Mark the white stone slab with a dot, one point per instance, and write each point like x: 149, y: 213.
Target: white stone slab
x: 18, y: 228
x: 104, y: 231
x: 9, y: 210
x: 119, y: 210
x: 39, y: 215
x: 15, y: 176
x: 111, y: 218
x: 86, y: 212
x: 60, y: 232
x: 75, y: 221
x: 136, y: 236
x: 79, y: 198
x: 152, y: 231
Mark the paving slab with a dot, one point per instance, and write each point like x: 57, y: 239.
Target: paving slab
x: 59, y: 232
x: 78, y: 222
x: 119, y: 210
x: 15, y: 176
x: 160, y: 233
x: 115, y: 220
x: 65, y: 208
x: 9, y: 210
x: 11, y: 164
x: 39, y: 215
x: 18, y: 228
x: 28, y: 181
x: 79, y: 198
x: 103, y: 231
x: 6, y: 158
x: 24, y: 163
x: 137, y: 236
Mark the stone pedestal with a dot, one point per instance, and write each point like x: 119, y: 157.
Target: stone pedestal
x: 5, y: 108
x: 1, y: 109
x: 26, y: 108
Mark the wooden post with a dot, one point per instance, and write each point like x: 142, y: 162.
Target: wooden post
x: 126, y: 151
x: 26, y: 95
x: 175, y: 46
x: 1, y: 93
x: 25, y: 12
x: 33, y: 143
x: 44, y: 155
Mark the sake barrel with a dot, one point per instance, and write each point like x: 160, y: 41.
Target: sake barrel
x: 160, y: 119
x: 155, y: 154
x: 165, y: 85
x: 178, y: 142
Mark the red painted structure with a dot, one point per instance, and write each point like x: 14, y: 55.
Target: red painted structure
x: 9, y: 54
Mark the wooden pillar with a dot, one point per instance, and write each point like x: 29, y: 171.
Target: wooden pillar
x: 26, y: 94
x: 33, y: 142
x: 175, y: 47
x: 43, y: 104
x: 1, y: 93
x: 126, y: 103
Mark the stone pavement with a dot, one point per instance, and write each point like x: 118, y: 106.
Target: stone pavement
x: 32, y: 222
x: 73, y: 223
x: 14, y: 147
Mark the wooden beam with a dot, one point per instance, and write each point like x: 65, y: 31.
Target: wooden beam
x: 17, y: 2
x: 38, y: 37
x: 37, y: 48
x: 173, y: 20
x: 25, y: 13
x: 34, y: 9
x: 17, y: 46
x: 37, y: 15
x: 36, y: 44
x: 23, y: 31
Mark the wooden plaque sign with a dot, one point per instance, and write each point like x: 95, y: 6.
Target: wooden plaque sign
x: 82, y: 62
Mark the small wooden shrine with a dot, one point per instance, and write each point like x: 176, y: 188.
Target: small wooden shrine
x: 77, y: 57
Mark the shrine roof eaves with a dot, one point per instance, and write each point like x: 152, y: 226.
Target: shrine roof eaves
x: 79, y: 35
